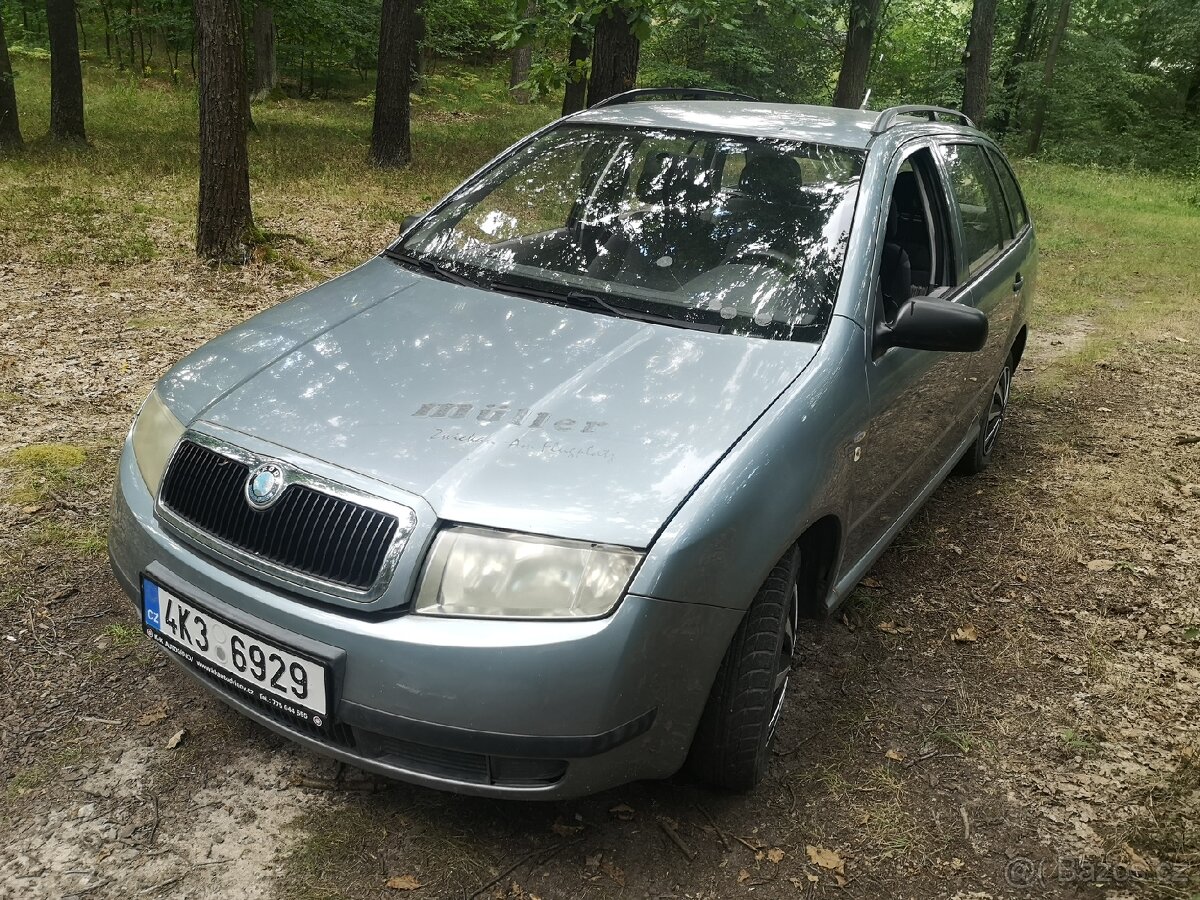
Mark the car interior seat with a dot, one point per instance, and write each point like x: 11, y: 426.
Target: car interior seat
x: 768, y: 207
x: 665, y: 244
x: 912, y: 231
x: 895, y: 269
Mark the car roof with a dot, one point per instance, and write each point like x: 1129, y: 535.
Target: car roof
x: 793, y: 121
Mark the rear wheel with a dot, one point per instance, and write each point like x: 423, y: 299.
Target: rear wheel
x: 979, y: 454
x: 732, y: 746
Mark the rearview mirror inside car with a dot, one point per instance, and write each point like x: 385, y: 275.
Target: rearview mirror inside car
x: 923, y: 324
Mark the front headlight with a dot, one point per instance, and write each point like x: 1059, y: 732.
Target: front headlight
x: 155, y: 433
x: 499, y: 574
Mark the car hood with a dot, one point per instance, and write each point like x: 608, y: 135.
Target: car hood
x: 499, y: 411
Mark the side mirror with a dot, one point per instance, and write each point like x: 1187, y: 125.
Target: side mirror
x: 408, y: 222
x: 923, y: 324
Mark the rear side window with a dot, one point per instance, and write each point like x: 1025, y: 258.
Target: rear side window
x: 980, y: 201
x: 1017, y: 213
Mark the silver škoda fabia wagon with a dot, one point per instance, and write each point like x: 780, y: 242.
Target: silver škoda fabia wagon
x: 530, y: 504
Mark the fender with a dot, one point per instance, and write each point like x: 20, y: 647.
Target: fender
x: 792, y: 468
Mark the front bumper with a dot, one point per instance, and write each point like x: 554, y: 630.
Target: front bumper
x: 499, y: 708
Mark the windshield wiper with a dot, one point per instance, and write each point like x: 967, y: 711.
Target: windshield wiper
x: 584, y: 300
x: 428, y: 265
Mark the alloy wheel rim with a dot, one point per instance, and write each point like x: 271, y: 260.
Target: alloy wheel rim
x: 783, y: 666
x: 995, y: 414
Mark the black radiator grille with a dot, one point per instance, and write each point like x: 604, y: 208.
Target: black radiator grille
x: 305, y: 530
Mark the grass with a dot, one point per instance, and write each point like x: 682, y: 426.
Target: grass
x: 1120, y: 253
x: 42, y: 470
x: 953, y: 738
x: 1121, y: 250
x: 130, y: 196
x: 32, y: 777
x: 1119, y: 259
x: 121, y: 635
x: 85, y: 540
x: 1077, y: 742
x: 334, y: 842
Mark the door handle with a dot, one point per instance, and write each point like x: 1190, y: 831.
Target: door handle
x: 1018, y: 283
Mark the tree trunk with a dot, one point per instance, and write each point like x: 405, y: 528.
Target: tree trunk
x: 1012, y: 73
x: 522, y: 61
x: 978, y: 61
x: 266, y: 74
x: 575, y: 96
x: 860, y: 37
x: 66, y: 75
x: 107, y: 31
x: 225, y: 225
x: 10, y: 126
x: 696, y: 44
x: 391, y: 140
x: 141, y: 42
x: 1039, y: 117
x: 615, y: 54
x: 1191, y: 101
x: 420, y: 59
x: 129, y: 28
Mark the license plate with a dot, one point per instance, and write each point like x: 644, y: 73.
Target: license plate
x: 262, y: 670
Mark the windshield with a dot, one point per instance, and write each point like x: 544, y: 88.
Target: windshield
x: 748, y: 235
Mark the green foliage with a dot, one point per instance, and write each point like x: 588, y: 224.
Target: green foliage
x: 319, y: 40
x: 1126, y: 89
x: 777, y: 51
x: 918, y: 55
x: 29, y: 52
x: 1117, y: 98
x: 458, y: 29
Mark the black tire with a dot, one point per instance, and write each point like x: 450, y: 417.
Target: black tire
x: 979, y: 455
x: 732, y: 745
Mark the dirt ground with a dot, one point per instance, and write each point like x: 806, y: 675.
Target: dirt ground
x: 1006, y: 707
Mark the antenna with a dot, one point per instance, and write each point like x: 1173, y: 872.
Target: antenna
x: 867, y: 95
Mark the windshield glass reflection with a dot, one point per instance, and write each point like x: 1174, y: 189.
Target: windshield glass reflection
x: 742, y: 233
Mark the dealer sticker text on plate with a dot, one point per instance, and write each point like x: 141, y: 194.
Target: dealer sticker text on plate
x: 250, y: 665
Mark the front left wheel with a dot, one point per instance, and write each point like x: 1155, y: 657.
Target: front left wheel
x: 732, y: 746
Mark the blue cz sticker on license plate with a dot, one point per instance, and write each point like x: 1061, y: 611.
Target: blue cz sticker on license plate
x: 261, y: 670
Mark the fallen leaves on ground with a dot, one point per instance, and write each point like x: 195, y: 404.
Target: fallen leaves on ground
x: 893, y: 628
x: 613, y: 871
x: 403, y: 883
x: 826, y: 858
x: 967, y: 634
x: 177, y: 739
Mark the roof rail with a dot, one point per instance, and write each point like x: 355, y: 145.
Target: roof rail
x: 671, y: 93
x: 888, y: 117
